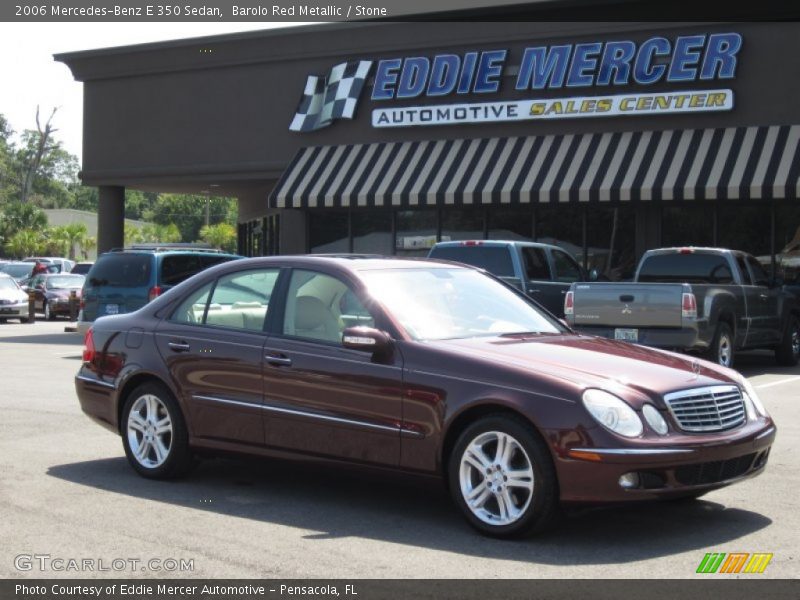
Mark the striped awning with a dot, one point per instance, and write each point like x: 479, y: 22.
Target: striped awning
x: 692, y: 164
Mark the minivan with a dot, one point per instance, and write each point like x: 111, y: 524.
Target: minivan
x: 122, y: 281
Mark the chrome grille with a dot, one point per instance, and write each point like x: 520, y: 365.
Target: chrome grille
x: 704, y: 409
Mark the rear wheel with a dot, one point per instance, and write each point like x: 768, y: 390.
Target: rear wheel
x: 154, y: 433
x: 502, y: 478
x: 721, y: 351
x: 788, y: 351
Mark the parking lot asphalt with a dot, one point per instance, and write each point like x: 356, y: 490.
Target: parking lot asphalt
x: 66, y: 491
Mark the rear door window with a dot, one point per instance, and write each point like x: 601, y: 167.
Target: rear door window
x: 567, y: 270
x: 240, y: 300
x: 495, y: 259
x: 121, y: 270
x: 536, y: 267
x: 176, y: 268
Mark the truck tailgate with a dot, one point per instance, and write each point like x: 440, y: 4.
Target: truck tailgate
x: 637, y: 305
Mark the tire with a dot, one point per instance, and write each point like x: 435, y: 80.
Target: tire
x: 534, y: 497
x: 155, y: 455
x: 48, y: 315
x: 3, y: 321
x: 24, y: 320
x: 787, y: 353
x: 721, y: 351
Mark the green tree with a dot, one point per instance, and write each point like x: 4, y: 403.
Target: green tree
x: 150, y: 233
x: 56, y: 241
x: 67, y: 238
x: 8, y: 182
x: 24, y: 243
x: 17, y: 217
x: 221, y: 235
x: 188, y: 212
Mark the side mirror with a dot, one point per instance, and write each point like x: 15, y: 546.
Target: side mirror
x: 366, y: 339
x: 593, y: 275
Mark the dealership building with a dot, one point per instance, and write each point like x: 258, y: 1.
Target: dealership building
x: 604, y: 138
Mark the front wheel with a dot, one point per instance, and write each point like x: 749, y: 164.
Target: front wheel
x: 721, y: 351
x: 154, y: 433
x: 788, y: 351
x: 502, y: 478
x: 48, y: 314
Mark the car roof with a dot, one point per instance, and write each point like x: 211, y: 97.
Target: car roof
x: 355, y: 262
x: 492, y: 243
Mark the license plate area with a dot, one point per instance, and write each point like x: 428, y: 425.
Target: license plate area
x: 112, y: 309
x: 626, y: 335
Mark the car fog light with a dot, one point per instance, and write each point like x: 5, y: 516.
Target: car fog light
x: 654, y: 419
x: 629, y: 481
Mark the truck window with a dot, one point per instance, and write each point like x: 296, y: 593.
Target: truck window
x: 567, y: 270
x: 536, y: 268
x: 495, y: 259
x: 686, y: 268
x: 743, y: 270
x: 760, y: 276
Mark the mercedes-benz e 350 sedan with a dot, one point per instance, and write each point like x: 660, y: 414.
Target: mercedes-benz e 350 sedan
x: 423, y: 367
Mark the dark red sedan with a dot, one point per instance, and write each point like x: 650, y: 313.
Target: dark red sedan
x: 417, y: 366
x: 52, y: 292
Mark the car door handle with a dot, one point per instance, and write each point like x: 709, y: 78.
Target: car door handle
x: 763, y: 296
x: 179, y: 346
x: 534, y: 291
x: 278, y: 360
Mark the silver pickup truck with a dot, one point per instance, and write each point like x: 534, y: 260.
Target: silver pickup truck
x: 711, y: 301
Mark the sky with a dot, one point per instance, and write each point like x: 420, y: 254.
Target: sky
x: 29, y: 76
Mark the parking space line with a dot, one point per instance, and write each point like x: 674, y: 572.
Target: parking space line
x: 779, y: 382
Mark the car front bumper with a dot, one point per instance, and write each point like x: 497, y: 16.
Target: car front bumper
x: 589, y: 474
x: 14, y: 311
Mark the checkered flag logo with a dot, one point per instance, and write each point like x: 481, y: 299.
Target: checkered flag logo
x: 335, y: 97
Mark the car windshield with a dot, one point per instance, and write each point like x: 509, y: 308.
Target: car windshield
x: 434, y: 303
x: 18, y: 270
x: 6, y: 283
x: 65, y: 282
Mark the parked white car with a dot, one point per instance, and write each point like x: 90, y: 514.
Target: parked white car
x: 13, y: 300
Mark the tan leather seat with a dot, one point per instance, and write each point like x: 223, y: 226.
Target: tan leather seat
x: 312, y: 319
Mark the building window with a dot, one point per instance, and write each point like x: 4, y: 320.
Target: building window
x: 687, y: 226
x: 416, y: 232
x: 787, y: 243
x: 511, y: 223
x: 328, y: 232
x: 745, y: 228
x: 562, y: 226
x: 462, y: 224
x: 372, y: 232
x: 610, y: 237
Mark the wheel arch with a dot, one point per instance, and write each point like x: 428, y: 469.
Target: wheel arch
x: 131, y: 383
x: 470, y: 415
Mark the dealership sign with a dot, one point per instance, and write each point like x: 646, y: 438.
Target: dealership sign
x: 471, y: 79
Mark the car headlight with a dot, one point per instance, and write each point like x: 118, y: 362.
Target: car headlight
x: 654, y: 419
x: 612, y: 413
x: 751, y: 395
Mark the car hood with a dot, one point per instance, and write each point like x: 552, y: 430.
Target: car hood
x: 586, y: 361
x: 15, y: 295
x: 63, y: 293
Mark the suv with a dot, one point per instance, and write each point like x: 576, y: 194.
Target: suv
x: 122, y: 281
x: 544, y: 272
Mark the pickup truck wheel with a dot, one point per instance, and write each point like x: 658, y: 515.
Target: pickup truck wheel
x: 721, y: 351
x: 788, y: 351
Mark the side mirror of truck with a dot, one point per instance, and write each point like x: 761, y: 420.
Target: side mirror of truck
x: 593, y: 275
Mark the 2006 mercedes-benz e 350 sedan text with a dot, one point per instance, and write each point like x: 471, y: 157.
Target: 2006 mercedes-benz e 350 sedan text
x: 423, y: 367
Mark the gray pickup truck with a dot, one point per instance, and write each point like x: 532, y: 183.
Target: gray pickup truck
x: 542, y: 271
x: 703, y: 300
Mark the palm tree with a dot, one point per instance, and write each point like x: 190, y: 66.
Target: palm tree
x: 77, y: 234
x: 221, y: 235
x: 25, y: 243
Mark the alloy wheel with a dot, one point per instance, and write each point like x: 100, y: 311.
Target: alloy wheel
x: 724, y: 351
x: 149, y: 431
x: 496, y: 478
